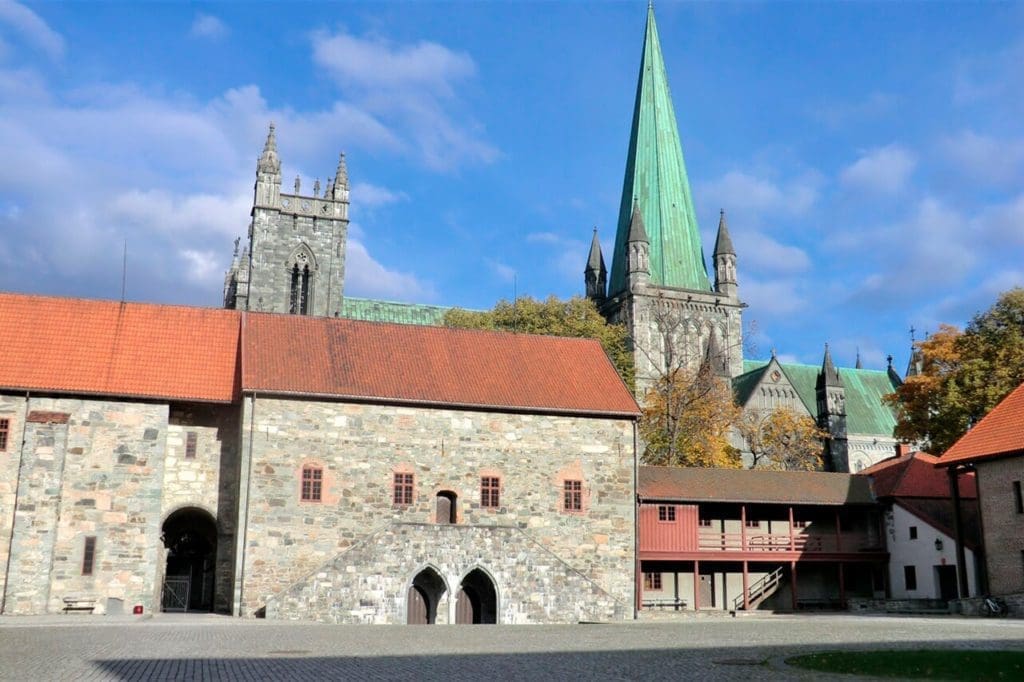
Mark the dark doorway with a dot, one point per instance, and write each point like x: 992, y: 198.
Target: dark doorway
x: 477, y: 602
x: 946, y: 577
x: 446, y: 506
x: 424, y: 595
x: 190, y: 536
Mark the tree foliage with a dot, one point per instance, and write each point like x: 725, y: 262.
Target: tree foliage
x: 686, y: 421
x: 575, y: 317
x: 963, y: 375
x: 783, y: 439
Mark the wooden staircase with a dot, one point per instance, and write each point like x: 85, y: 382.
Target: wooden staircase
x: 759, y: 591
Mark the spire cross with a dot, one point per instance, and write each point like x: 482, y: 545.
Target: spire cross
x: 912, y: 330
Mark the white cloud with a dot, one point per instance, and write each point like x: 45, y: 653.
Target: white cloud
x: 881, y: 171
x: 30, y: 25
x: 414, y: 88
x: 367, y: 277
x: 763, y: 254
x: 207, y: 26
x: 372, y: 196
x: 773, y: 297
x: 504, y: 273
x: 205, y: 268
x: 751, y: 201
x: 984, y: 157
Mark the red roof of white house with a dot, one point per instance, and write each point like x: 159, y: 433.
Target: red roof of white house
x: 914, y: 475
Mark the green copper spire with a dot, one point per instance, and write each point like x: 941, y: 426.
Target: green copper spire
x: 656, y: 179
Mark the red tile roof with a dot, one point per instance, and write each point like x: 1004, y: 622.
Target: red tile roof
x: 915, y: 475
x: 67, y: 345
x: 374, y: 361
x: 997, y: 435
x: 753, y: 485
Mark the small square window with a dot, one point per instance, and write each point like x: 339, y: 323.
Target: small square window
x: 799, y: 523
x: 191, y: 439
x: 403, y: 490
x: 312, y: 484
x: 1018, y: 501
x: 89, y: 555
x: 490, y: 495
x: 910, y: 577
x: 753, y: 523
x: 652, y: 581
x: 913, y: 532
x: 705, y: 523
x: 573, y: 495
x: 5, y: 430
x: 666, y: 512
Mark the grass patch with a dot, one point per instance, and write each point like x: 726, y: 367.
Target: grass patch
x: 935, y: 665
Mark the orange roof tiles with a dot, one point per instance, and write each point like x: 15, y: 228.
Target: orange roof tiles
x: 430, y: 365
x: 997, y: 435
x: 67, y: 345
x: 915, y: 475
x: 753, y: 485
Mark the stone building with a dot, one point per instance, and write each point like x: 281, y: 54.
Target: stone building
x: 307, y: 467
x: 659, y: 288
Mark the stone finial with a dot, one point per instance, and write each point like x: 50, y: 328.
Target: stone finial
x: 269, y: 161
x: 298, y: 184
x: 341, y: 174
x: 316, y: 188
x: 235, y: 254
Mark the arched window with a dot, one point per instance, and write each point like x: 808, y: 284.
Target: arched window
x: 301, y: 270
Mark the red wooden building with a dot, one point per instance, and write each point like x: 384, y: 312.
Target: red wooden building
x: 743, y: 539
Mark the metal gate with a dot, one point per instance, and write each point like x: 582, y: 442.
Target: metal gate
x: 175, y: 594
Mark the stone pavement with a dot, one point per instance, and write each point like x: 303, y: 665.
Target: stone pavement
x: 190, y: 647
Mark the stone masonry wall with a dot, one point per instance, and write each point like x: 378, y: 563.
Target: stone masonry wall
x: 534, y: 585
x: 12, y: 408
x: 1003, y: 525
x: 207, y: 481
x: 360, y: 447
x: 97, y: 475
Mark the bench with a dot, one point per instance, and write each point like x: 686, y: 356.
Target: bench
x: 82, y: 604
x: 675, y: 604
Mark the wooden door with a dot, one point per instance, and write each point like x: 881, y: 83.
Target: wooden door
x: 417, y: 607
x: 465, y: 610
x: 707, y: 591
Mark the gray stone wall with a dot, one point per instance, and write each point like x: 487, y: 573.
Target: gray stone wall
x: 297, y: 229
x: 207, y: 481
x: 369, y: 583
x: 1003, y: 526
x: 99, y: 475
x: 360, y: 447
x: 12, y: 408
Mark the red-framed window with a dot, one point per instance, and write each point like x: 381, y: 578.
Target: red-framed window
x: 666, y: 512
x: 312, y: 484
x: 191, y: 441
x: 652, y: 581
x: 5, y: 431
x: 572, y: 495
x: 490, y: 491
x: 403, y: 489
x: 89, y: 555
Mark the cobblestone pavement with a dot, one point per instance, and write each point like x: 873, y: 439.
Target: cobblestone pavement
x: 210, y: 647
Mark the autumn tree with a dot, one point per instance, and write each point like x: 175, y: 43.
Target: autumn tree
x: 962, y: 375
x: 783, y: 439
x: 576, y: 317
x: 686, y: 420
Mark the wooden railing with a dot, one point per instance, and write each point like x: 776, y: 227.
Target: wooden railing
x: 802, y: 542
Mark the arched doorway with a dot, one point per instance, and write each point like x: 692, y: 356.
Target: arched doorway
x: 446, y: 507
x: 425, y: 594
x: 477, y: 602
x: 190, y: 536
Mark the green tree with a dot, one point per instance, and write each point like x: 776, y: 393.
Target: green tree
x: 963, y: 375
x: 686, y: 420
x: 575, y: 317
x: 783, y: 439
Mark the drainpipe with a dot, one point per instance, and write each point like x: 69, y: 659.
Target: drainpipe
x: 14, y: 507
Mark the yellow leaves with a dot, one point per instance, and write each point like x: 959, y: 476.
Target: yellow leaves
x: 783, y: 439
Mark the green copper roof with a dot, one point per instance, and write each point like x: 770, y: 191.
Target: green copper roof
x: 656, y: 177
x: 389, y: 311
x: 866, y: 414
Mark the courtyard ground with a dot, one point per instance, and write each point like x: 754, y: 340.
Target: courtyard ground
x: 214, y: 647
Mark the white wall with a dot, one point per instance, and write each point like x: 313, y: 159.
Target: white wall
x: 920, y: 553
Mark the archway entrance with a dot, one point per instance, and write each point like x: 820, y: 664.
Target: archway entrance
x: 477, y: 602
x: 425, y: 594
x: 190, y: 536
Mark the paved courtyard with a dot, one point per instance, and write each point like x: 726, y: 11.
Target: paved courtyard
x: 209, y: 647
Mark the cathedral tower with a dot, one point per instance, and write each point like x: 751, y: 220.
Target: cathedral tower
x: 830, y: 394
x: 294, y: 261
x: 659, y: 286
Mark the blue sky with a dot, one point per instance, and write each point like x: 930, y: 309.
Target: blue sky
x: 870, y: 157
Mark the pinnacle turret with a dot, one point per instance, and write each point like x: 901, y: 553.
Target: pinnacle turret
x: 269, y: 161
x: 637, y: 231
x: 714, y: 359
x: 638, y: 250
x: 723, y: 242
x: 829, y: 375
x: 595, y: 275
x: 725, y: 260
x: 339, y: 188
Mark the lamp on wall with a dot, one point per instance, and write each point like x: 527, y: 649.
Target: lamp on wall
x: 938, y: 544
